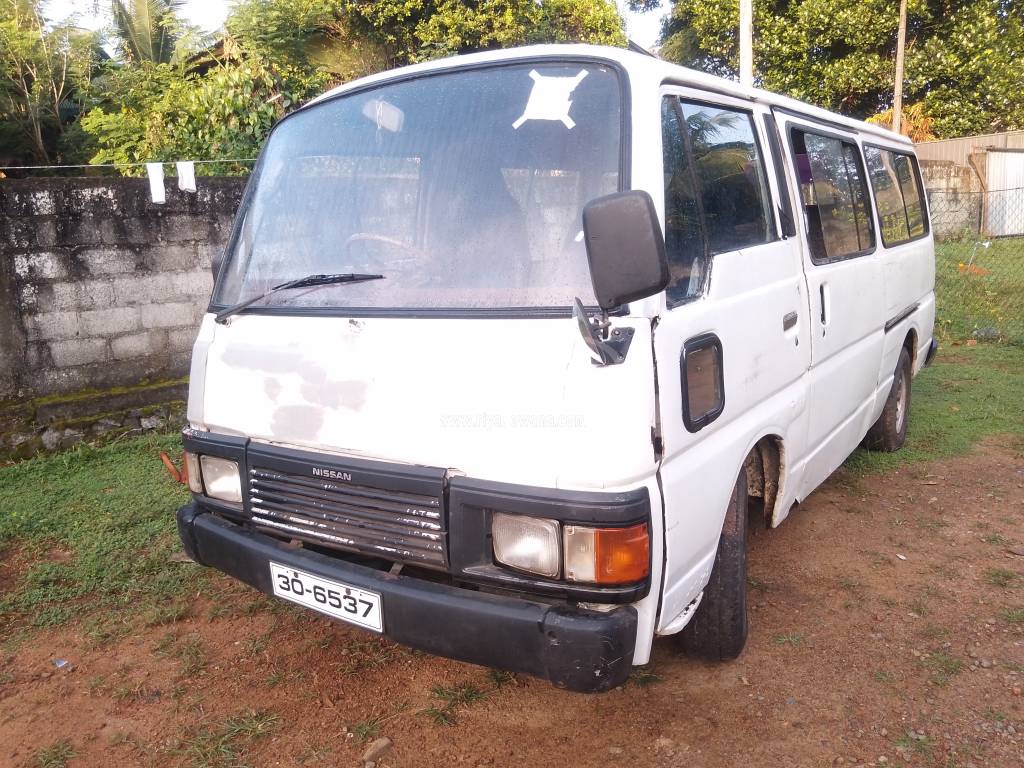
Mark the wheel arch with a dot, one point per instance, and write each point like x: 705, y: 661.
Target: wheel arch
x: 766, y: 469
x: 910, y: 344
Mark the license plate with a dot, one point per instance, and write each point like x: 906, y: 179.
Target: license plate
x: 351, y: 604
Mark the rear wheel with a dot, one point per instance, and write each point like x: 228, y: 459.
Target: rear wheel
x: 718, y: 630
x: 889, y: 433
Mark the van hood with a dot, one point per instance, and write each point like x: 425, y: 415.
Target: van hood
x: 511, y: 400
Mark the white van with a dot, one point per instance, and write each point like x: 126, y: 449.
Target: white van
x: 456, y: 386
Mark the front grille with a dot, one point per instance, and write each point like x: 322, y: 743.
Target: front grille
x: 396, y: 524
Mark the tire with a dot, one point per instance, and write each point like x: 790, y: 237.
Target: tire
x: 718, y: 631
x: 889, y: 433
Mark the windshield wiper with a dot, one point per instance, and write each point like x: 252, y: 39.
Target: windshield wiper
x: 303, y: 282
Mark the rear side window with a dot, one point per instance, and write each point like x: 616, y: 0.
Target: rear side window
x: 898, y: 196
x: 716, y: 194
x: 834, y: 194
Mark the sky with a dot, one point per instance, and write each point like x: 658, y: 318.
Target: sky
x: 209, y: 15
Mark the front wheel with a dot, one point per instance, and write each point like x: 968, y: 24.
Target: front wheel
x: 718, y: 630
x: 889, y: 433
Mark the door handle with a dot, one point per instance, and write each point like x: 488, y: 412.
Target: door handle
x: 825, y: 295
x: 789, y: 320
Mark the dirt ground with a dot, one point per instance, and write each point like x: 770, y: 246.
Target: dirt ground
x: 887, y: 629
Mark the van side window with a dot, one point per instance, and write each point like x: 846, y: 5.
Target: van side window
x: 897, y: 195
x: 834, y: 194
x: 716, y: 193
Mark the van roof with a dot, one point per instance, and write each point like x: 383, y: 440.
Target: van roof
x: 638, y: 66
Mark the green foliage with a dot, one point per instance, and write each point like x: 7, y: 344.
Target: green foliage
x: 962, y: 64
x: 148, y: 30
x: 280, y: 53
x: 44, y: 79
x: 455, y: 27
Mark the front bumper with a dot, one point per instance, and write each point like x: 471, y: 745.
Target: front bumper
x: 580, y: 650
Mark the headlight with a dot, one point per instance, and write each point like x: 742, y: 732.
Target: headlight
x: 195, y: 478
x: 527, y: 543
x: 221, y: 478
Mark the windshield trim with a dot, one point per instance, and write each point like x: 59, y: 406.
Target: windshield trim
x: 625, y: 164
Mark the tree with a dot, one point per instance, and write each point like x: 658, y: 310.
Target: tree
x: 44, y: 73
x: 914, y: 122
x: 147, y: 30
x: 418, y: 30
x: 962, y: 65
x: 279, y: 53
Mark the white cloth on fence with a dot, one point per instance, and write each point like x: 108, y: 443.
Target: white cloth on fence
x: 155, y: 171
x: 186, y: 175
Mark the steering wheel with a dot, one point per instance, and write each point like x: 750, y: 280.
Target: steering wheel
x: 360, y: 237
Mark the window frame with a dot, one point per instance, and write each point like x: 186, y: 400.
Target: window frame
x: 730, y: 103
x: 786, y: 214
x: 925, y: 214
x: 808, y: 125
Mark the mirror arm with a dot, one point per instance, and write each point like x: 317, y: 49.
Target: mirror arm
x: 608, y: 344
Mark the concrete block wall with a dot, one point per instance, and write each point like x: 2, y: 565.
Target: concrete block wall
x: 955, y: 198
x: 101, y: 292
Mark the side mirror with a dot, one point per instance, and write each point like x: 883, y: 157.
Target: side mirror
x: 625, y: 248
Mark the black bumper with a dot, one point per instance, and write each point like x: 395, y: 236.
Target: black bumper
x: 580, y: 650
x: 933, y: 349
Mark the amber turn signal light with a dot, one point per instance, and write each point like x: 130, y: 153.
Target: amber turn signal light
x: 607, y: 556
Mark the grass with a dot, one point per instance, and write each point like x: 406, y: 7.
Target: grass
x: 969, y: 393
x: 1014, y: 615
x: 942, y: 666
x: 56, y: 755
x: 460, y: 695
x: 792, y: 639
x: 1000, y: 577
x: 366, y: 730
x: 442, y: 712
x: 996, y: 539
x: 223, y: 745
x: 190, y: 653
x: 982, y: 299
x: 642, y: 677
x: 850, y: 584
x: 370, y: 729
x: 922, y: 746
x: 362, y: 654
x: 500, y: 678
x: 136, y: 693
x: 256, y: 645
x: 884, y: 677
x: 96, y: 526
x: 192, y: 656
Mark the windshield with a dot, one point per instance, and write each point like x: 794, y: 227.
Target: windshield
x: 464, y: 190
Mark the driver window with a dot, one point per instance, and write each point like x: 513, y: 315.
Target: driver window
x: 716, y: 193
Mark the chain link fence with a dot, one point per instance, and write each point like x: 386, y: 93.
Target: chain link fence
x: 979, y: 264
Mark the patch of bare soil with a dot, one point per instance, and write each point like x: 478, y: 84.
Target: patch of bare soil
x: 887, y: 629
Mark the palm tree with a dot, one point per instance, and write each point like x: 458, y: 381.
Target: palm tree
x: 148, y: 30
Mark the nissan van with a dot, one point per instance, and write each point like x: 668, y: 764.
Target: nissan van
x: 508, y: 351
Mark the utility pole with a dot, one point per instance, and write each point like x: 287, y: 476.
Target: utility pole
x: 747, y: 43
x: 901, y: 44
